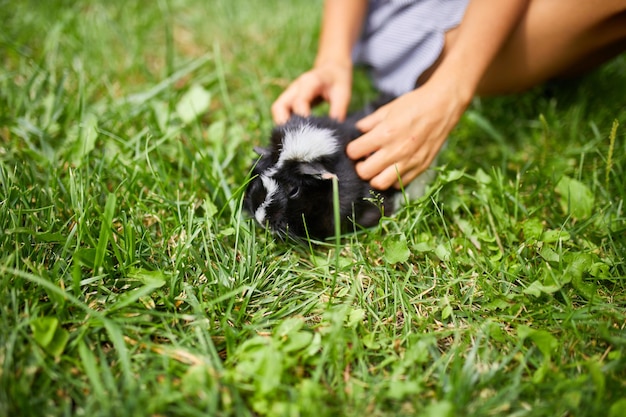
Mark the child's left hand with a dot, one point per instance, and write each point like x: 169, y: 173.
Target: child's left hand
x: 402, y: 138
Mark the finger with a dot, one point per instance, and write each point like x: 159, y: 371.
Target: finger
x: 375, y: 164
x: 302, y: 100
x: 414, y: 170
x: 297, y: 98
x: 302, y: 107
x: 407, y: 177
x: 280, y: 113
x: 370, y: 121
x: 398, y: 172
x: 363, y: 146
x: 281, y: 108
x: 339, y: 99
x: 387, y: 178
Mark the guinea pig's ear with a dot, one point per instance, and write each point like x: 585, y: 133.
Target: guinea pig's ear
x: 262, y: 151
x: 316, y: 170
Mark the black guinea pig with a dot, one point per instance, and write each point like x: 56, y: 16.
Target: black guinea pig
x: 291, y: 190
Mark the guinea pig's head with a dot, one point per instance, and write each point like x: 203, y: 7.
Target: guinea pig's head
x: 291, y: 188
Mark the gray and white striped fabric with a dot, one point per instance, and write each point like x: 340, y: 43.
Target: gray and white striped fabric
x: 403, y: 38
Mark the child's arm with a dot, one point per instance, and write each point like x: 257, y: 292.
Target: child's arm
x: 331, y: 75
x: 403, y: 137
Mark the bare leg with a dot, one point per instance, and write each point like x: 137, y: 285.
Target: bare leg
x: 554, y: 38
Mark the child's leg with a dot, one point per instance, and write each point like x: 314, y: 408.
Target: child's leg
x: 554, y: 38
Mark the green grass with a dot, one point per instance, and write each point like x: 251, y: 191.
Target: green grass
x: 131, y: 283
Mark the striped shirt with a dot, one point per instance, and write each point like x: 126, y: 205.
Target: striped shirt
x: 403, y: 38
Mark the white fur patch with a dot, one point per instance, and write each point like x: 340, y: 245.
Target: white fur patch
x: 307, y: 143
x: 271, y: 186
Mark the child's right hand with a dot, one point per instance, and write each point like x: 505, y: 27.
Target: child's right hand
x: 329, y: 82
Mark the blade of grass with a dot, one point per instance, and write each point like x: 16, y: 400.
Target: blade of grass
x: 337, y: 221
x: 105, y: 231
x: 609, y: 158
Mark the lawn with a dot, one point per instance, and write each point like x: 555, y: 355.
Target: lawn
x: 132, y: 283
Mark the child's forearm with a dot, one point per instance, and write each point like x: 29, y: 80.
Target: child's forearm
x: 341, y: 26
x: 484, y: 29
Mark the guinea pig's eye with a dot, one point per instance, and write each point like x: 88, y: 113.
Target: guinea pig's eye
x: 294, y: 192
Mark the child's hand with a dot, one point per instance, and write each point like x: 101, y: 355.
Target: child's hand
x: 330, y: 82
x: 402, y: 138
